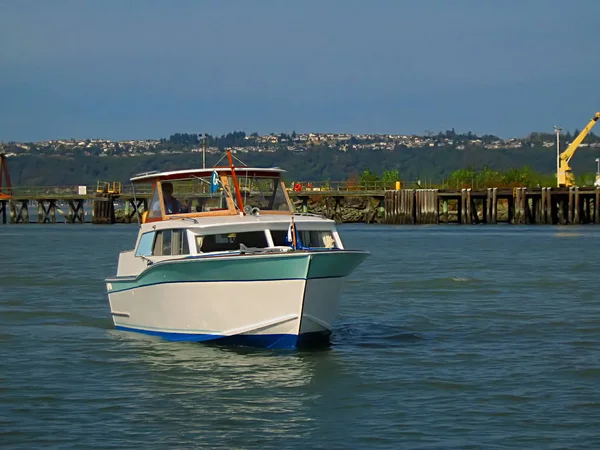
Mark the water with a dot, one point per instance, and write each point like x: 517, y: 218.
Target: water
x: 448, y: 337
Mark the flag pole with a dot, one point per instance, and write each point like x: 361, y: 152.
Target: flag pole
x: 294, y: 241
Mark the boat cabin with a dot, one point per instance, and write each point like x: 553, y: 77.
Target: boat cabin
x: 211, y: 212
x: 220, y: 191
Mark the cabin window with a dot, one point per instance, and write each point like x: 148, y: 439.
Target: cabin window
x: 179, y: 243
x: 230, y: 241
x: 306, y: 238
x: 193, y: 195
x: 170, y: 242
x: 145, y: 246
x: 317, y: 239
x: 154, y: 210
x: 264, y: 193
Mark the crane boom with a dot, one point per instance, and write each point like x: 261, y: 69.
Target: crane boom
x: 565, y: 175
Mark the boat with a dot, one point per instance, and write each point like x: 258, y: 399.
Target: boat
x: 222, y: 256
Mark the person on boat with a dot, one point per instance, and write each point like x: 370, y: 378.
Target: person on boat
x: 172, y: 205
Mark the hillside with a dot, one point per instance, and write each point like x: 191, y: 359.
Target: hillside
x: 312, y: 164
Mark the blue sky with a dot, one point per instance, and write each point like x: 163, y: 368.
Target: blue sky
x: 124, y: 69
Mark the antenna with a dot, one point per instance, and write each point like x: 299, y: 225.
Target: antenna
x: 204, y: 151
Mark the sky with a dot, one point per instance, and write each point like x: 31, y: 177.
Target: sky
x: 135, y: 69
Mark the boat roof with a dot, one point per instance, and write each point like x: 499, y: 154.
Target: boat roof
x: 241, y: 222
x: 180, y: 174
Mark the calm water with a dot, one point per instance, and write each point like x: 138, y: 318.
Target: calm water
x: 448, y: 337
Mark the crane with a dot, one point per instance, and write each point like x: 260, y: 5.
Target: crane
x: 564, y: 176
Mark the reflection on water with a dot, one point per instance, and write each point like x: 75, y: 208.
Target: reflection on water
x: 206, y: 388
x: 246, y: 367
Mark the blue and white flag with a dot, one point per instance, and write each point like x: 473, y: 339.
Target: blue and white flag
x: 214, y: 182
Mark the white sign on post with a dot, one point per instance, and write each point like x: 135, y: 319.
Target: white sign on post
x: 82, y: 190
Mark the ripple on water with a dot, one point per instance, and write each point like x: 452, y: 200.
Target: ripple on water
x: 463, y: 338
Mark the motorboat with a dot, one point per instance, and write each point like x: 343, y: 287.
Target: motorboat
x: 222, y: 256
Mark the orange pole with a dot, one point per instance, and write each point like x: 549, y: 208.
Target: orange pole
x: 235, y: 183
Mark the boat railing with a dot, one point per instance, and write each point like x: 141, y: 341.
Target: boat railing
x: 307, y: 214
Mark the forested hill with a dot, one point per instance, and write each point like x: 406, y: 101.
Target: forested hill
x: 433, y: 164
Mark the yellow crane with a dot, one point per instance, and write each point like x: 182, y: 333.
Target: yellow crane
x: 564, y: 175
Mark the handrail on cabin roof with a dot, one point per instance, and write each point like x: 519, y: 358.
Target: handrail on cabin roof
x: 176, y: 174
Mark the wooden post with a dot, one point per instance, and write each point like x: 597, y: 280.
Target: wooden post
x: 469, y: 210
x: 19, y: 211
x: 437, y: 206
x: 588, y: 209
x: 561, y: 210
x: 420, y: 206
x: 412, y: 210
x: 488, y: 206
x: 3, y: 206
x: 71, y: 216
x: 495, y: 205
x: 463, y: 206
x: 525, y: 211
x: 407, y: 215
x: 76, y: 211
x: 445, y: 212
x: 46, y: 211
x: 401, y: 206
x: 386, y: 205
x: 542, y: 217
x: 25, y: 211
x: 547, y: 206
x: 404, y: 219
x: 104, y: 211
x: 576, y: 207
x: 474, y: 211
x: 596, y: 207
x: 550, y: 207
x: 517, y: 202
x: 570, y: 206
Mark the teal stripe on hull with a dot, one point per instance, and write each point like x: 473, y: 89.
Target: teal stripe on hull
x: 334, y: 264
x: 237, y: 269
x: 297, y: 266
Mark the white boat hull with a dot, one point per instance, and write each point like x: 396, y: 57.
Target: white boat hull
x: 272, y: 313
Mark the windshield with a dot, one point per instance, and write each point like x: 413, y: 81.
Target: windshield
x: 265, y: 193
x: 191, y: 195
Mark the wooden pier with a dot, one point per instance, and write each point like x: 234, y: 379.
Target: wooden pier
x: 67, y: 204
x: 551, y: 206
x: 556, y: 206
